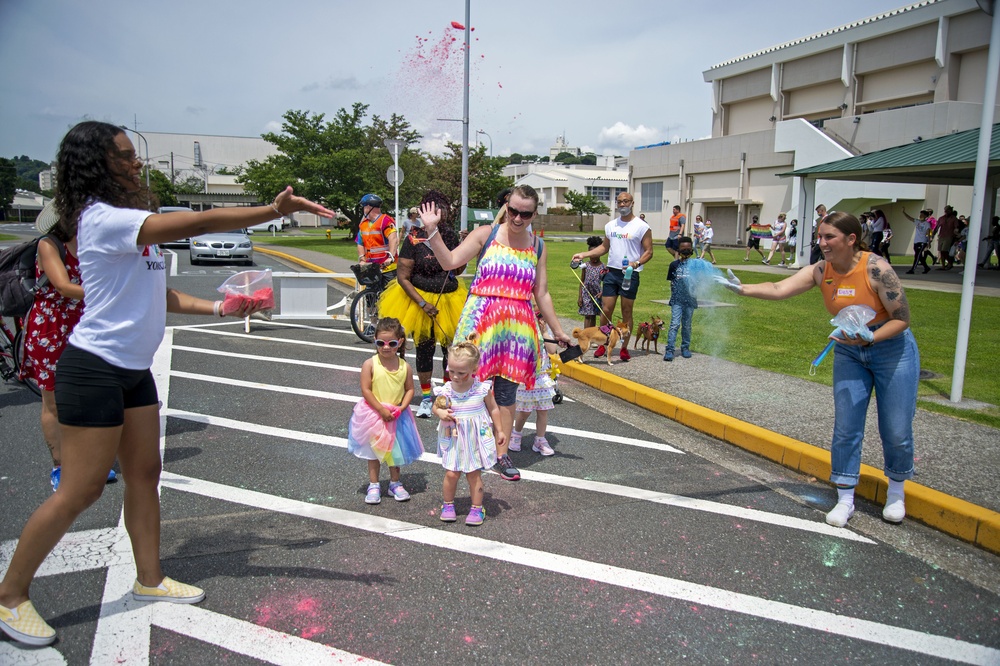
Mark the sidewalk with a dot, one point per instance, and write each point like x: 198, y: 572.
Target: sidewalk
x: 790, y: 420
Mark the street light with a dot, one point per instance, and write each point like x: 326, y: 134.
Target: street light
x: 488, y: 137
x: 126, y: 128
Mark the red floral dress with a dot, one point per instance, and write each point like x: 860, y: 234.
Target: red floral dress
x: 48, y: 325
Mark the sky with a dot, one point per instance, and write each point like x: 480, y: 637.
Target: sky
x: 608, y: 76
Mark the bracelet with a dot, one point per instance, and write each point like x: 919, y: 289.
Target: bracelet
x: 431, y: 235
x: 217, y: 308
x: 276, y: 209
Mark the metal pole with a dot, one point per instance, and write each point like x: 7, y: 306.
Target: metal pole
x: 395, y: 165
x: 976, y: 218
x: 465, y: 129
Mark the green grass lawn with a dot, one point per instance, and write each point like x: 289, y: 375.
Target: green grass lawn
x: 782, y: 336
x: 9, y: 237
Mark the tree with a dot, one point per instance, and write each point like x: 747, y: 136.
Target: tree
x: 567, y: 158
x: 486, y: 177
x: 162, y: 187
x: 589, y: 159
x: 337, y: 162
x: 585, y: 204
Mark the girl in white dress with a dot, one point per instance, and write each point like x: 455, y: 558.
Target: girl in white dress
x: 467, y: 434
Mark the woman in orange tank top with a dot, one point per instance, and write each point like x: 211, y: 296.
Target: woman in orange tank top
x: 884, y: 359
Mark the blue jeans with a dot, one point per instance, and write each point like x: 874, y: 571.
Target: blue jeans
x: 680, y: 317
x: 892, y: 368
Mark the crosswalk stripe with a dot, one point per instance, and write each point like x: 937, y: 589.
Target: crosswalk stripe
x: 569, y: 482
x: 766, y: 609
x: 250, y: 639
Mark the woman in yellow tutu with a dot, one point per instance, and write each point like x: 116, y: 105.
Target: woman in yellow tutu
x: 426, y: 299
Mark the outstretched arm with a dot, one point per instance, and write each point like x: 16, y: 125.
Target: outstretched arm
x: 165, y: 227
x: 798, y: 283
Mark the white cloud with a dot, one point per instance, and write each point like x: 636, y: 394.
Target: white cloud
x: 621, y: 138
x: 435, y: 143
x: 273, y: 126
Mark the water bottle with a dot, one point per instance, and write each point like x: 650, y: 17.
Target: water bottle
x: 627, y: 269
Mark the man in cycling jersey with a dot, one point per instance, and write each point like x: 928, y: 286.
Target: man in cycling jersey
x: 377, y: 239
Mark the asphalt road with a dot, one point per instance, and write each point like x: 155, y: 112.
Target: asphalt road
x: 640, y: 541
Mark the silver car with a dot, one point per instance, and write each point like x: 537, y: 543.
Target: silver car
x: 231, y: 247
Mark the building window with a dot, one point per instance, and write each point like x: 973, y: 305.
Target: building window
x: 600, y: 193
x: 652, y: 197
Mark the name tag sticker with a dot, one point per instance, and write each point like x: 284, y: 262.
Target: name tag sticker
x: 845, y: 292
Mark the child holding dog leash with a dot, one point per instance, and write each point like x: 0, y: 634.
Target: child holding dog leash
x: 591, y: 286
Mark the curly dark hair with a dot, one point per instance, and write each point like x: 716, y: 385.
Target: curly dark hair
x: 83, y: 174
x: 441, y: 201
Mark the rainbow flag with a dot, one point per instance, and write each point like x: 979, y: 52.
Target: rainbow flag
x: 762, y: 231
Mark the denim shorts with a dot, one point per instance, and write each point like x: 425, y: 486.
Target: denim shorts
x: 504, y: 391
x: 613, y: 284
x: 92, y: 393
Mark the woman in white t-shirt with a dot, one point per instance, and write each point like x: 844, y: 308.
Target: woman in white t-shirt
x: 105, y: 394
x: 777, y: 239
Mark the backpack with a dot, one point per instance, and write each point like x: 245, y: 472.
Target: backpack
x: 17, y: 276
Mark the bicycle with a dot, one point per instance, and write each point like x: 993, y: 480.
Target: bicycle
x: 12, y: 353
x: 364, y: 305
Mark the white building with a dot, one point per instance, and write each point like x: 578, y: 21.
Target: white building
x: 907, y: 75
x: 552, y: 183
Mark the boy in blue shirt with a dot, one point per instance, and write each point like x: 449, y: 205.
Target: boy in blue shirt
x: 682, y: 300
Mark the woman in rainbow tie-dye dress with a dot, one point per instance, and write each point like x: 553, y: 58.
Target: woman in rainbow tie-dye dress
x: 499, y: 314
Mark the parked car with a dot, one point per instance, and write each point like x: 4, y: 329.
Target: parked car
x: 180, y: 242
x: 230, y: 247
x: 271, y: 225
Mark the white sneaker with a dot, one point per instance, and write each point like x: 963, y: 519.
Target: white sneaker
x: 840, y: 514
x: 895, y: 509
x: 424, y: 411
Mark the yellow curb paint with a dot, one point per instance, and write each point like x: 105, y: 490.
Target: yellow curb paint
x: 951, y: 515
x: 988, y: 535
x: 302, y: 262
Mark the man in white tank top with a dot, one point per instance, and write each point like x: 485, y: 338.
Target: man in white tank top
x: 628, y: 241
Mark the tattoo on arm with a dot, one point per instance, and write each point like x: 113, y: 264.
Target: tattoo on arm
x: 894, y: 296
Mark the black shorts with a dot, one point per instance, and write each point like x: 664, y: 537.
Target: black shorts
x: 613, y: 284
x: 754, y: 243
x: 673, y: 243
x: 504, y: 391
x: 92, y: 393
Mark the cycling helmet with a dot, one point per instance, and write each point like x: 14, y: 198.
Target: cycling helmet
x: 373, y: 200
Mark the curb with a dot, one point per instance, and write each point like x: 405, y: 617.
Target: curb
x: 951, y: 515
x: 301, y: 262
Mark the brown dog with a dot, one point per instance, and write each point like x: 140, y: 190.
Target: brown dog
x: 649, y: 331
x: 594, y: 335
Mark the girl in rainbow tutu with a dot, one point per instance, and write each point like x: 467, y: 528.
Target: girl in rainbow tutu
x: 467, y: 433
x: 382, y: 427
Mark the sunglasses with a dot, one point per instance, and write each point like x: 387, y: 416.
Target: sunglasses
x: 523, y: 214
x: 382, y: 343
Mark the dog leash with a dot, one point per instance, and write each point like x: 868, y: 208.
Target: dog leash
x: 599, y: 308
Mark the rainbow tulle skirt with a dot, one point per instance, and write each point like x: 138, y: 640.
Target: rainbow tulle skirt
x: 395, y: 443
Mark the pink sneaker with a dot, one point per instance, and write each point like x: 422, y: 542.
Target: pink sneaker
x: 515, y: 441
x: 542, y: 446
